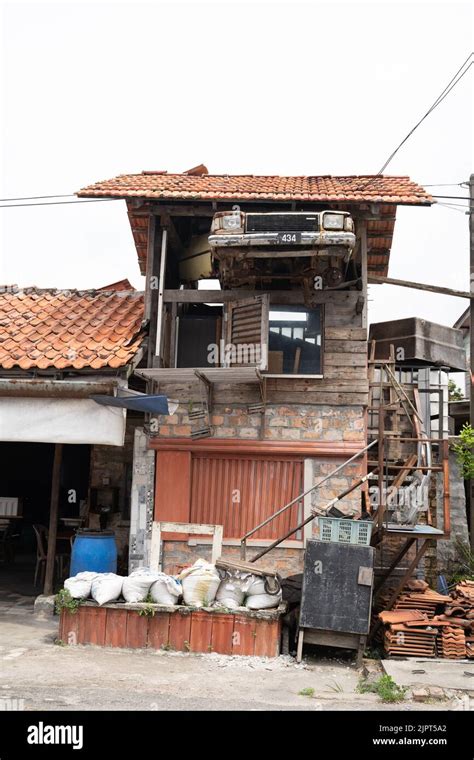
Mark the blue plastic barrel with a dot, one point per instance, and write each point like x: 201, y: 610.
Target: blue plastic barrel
x: 95, y: 551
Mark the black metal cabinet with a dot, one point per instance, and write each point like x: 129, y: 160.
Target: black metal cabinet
x: 336, y: 595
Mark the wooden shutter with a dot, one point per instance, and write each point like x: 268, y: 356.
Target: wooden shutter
x: 246, y: 331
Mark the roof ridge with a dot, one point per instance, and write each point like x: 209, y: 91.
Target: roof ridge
x: 35, y: 290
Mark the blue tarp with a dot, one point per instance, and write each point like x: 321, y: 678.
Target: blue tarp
x: 137, y: 403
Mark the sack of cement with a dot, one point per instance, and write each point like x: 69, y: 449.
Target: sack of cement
x: 263, y: 601
x: 165, y: 589
x: 79, y: 586
x: 233, y: 588
x: 106, y: 587
x: 200, y: 583
x: 137, y: 586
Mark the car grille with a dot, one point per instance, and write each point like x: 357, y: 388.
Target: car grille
x: 281, y: 223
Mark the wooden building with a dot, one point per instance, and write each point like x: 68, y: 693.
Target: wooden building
x: 246, y: 437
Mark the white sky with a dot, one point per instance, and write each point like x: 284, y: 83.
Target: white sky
x: 93, y: 90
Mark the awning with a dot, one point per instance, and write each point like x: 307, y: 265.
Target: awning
x: 136, y: 402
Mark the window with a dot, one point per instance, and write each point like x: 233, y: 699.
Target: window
x: 294, y: 344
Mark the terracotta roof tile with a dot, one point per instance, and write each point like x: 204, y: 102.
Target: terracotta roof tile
x: 374, y: 188
x: 59, y: 329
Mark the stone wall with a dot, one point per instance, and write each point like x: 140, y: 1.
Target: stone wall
x: 446, y: 550
x: 141, y: 518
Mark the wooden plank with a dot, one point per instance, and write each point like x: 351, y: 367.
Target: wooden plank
x: 137, y: 630
x: 94, y: 625
x: 267, y: 638
x: 180, y: 631
x: 344, y: 360
x: 244, y: 635
x: 116, y: 628
x: 222, y: 633
x: 81, y: 623
x: 276, y: 296
x: 158, y: 630
x: 345, y: 346
x: 419, y: 286
x: 345, y: 333
x: 68, y: 630
x: 201, y: 632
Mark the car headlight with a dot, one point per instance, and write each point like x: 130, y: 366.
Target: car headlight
x: 333, y: 221
x: 227, y: 221
x: 348, y: 224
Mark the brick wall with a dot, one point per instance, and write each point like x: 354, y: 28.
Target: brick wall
x: 295, y: 422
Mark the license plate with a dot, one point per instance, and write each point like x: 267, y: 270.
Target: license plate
x: 289, y: 238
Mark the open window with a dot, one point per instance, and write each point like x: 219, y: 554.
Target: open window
x: 294, y: 340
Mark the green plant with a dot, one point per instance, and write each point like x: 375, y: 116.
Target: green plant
x: 148, y: 610
x: 307, y: 692
x: 464, y: 566
x: 463, y: 451
x: 455, y: 393
x: 385, y: 687
x: 64, y: 601
x: 60, y: 643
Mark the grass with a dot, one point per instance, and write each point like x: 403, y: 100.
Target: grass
x: 336, y: 687
x: 385, y: 687
x: 308, y: 692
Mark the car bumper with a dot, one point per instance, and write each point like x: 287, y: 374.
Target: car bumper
x: 322, y: 239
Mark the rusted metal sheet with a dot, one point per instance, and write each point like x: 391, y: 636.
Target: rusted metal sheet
x: 418, y: 341
x: 239, y: 493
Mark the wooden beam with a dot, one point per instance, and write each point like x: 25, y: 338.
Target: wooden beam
x: 375, y: 280
x: 53, y: 520
x: 276, y: 296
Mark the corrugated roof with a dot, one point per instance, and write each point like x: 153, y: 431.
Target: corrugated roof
x: 69, y: 329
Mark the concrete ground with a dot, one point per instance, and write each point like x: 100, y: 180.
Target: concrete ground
x: 47, y: 676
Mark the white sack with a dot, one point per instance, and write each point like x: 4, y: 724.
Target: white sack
x: 106, y: 587
x: 136, y: 587
x: 166, y: 589
x: 233, y: 588
x: 79, y: 586
x: 200, y: 583
x: 263, y: 601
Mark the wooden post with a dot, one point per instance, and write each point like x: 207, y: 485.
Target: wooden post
x: 53, y: 520
x: 159, y: 319
x: 364, y: 270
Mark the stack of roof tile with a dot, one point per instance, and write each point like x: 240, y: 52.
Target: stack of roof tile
x: 452, y: 643
x: 427, y: 601
x: 409, y: 634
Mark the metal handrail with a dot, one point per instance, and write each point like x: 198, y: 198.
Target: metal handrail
x: 243, y: 541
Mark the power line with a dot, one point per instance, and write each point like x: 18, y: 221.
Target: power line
x: 454, y: 197
x: 450, y: 86
x: 36, y: 197
x: 441, y: 184
x: 58, y: 203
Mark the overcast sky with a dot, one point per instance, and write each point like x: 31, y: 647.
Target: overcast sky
x: 93, y: 90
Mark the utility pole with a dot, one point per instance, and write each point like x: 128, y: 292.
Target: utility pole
x: 471, y: 335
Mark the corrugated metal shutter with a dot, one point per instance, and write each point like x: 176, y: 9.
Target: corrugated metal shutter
x: 246, y: 326
x: 264, y: 486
